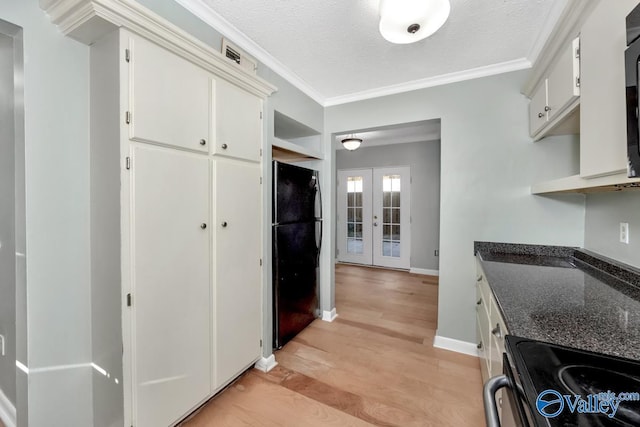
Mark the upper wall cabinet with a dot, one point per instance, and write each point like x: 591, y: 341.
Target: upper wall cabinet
x: 600, y: 111
x: 238, y: 122
x: 554, y: 102
x: 169, y: 98
x: 603, y: 124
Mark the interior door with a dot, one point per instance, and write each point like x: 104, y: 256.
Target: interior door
x: 355, y: 216
x: 171, y: 326
x: 391, y: 217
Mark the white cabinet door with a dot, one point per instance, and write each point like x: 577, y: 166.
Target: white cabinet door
x: 238, y: 122
x: 169, y: 98
x: 603, y: 128
x: 238, y: 286
x: 171, y: 326
x: 562, y: 83
x: 537, y: 111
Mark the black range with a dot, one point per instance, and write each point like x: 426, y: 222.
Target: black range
x: 551, y: 385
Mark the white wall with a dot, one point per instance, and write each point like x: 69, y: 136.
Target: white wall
x: 424, y: 160
x: 488, y: 163
x: 604, y: 214
x: 7, y: 227
x: 57, y: 220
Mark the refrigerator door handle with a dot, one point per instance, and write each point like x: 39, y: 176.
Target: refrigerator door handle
x: 318, y: 242
x: 318, y: 200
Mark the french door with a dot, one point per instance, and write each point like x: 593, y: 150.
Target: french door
x: 374, y: 216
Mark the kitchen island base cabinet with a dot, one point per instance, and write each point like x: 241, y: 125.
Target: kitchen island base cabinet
x: 170, y: 347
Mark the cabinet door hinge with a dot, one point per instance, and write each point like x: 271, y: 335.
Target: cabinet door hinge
x: 260, y: 262
x: 578, y: 52
x: 260, y: 343
x: 127, y: 55
x: 261, y: 152
x: 261, y: 180
x: 128, y: 163
x: 260, y: 114
x: 128, y: 300
x: 577, y: 81
x: 127, y: 117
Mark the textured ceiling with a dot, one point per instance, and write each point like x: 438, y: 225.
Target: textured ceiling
x: 334, y: 46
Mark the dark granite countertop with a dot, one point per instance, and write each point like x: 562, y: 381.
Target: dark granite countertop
x: 565, y: 296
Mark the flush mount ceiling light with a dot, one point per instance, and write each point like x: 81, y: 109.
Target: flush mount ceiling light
x: 407, y: 21
x: 351, y: 143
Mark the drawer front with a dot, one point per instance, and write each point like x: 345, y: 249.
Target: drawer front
x: 497, y: 325
x: 483, y: 347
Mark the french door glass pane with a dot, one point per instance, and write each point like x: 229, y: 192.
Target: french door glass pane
x: 354, y: 215
x: 391, y: 215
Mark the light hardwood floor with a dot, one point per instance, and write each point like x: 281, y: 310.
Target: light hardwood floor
x: 374, y: 365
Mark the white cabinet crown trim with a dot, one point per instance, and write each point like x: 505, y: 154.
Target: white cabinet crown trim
x: 89, y: 20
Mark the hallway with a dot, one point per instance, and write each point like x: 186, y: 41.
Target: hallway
x: 374, y: 365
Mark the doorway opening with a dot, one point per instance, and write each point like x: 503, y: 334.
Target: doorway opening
x: 13, y: 338
x: 387, y: 210
x: 388, y: 197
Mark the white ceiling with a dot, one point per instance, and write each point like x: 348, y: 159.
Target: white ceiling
x: 333, y: 51
x: 424, y: 131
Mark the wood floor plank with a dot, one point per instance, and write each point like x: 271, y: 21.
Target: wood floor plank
x: 374, y: 366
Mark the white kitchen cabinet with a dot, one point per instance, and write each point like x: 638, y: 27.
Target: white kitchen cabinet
x: 491, y: 330
x: 170, y: 288
x: 238, y: 122
x: 563, y: 83
x: 189, y: 289
x: 556, y: 96
x: 169, y: 98
x: 603, y: 110
x: 237, y: 266
x: 537, y: 109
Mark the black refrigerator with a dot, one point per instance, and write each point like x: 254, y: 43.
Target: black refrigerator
x: 297, y: 237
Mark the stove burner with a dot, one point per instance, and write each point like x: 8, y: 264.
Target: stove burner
x: 584, y: 380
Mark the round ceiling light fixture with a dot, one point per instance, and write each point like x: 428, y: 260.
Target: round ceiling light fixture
x: 408, y: 21
x: 351, y: 143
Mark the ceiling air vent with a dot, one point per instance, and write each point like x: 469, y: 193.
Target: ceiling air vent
x: 232, y: 53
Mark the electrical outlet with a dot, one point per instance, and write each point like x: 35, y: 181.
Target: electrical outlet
x: 624, y: 232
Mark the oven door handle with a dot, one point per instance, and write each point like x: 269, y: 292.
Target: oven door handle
x: 489, y: 396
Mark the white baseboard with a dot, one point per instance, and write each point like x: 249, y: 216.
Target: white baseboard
x: 455, y: 345
x: 329, y: 316
x: 266, y: 364
x: 7, y: 411
x: 424, y: 271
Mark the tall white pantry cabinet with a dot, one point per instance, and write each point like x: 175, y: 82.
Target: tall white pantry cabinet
x: 176, y: 206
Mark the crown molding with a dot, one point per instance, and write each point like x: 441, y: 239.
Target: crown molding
x: 203, y: 11
x: 557, y: 8
x: 89, y: 20
x: 458, y: 76
x: 566, y: 28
